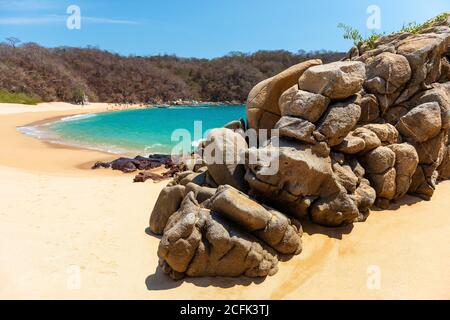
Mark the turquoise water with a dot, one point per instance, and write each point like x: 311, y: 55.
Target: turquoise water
x: 139, y: 131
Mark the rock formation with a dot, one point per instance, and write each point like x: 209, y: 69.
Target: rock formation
x: 144, y: 165
x: 348, y: 136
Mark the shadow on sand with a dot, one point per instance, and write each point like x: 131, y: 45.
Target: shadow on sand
x: 160, y: 281
x: 407, y: 200
x: 311, y: 228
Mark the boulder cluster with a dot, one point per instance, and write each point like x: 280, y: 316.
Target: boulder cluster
x: 144, y: 166
x: 348, y: 136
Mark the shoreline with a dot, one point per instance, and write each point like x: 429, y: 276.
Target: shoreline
x: 55, y: 216
x: 36, y: 128
x: 52, y: 156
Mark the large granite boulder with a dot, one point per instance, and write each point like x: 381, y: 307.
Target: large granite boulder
x: 303, y: 104
x: 351, y: 144
x: 296, y: 128
x: 370, y: 110
x: 338, y: 121
x: 337, y: 80
x: 198, y: 242
x: 271, y: 226
x: 224, y: 154
x: 378, y: 160
x: 424, y: 53
x: 168, y: 202
x: 439, y: 93
x: 387, y: 73
x: 386, y: 132
x: 421, y: 123
x: 406, y: 161
x: 263, y: 110
x: 306, y: 182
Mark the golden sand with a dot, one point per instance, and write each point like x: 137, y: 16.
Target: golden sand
x: 69, y: 232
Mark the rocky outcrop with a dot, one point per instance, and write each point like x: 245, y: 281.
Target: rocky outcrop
x: 224, y: 154
x: 168, y: 202
x: 145, y: 165
x: 263, y: 111
x: 347, y: 136
x: 127, y: 165
x: 198, y: 242
x: 303, y: 104
x: 271, y: 226
x: 337, y: 80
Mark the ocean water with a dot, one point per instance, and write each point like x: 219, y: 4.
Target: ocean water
x: 142, y: 131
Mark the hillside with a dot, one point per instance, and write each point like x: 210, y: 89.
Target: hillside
x: 63, y: 74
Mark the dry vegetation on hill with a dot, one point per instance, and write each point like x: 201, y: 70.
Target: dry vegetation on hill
x: 62, y: 74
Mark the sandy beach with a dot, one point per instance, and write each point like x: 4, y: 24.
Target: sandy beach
x: 67, y: 232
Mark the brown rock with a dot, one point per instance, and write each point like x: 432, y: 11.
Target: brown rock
x: 364, y: 196
x: 424, y: 53
x: 406, y: 161
x: 271, y: 226
x: 262, y: 103
x: 335, y: 210
x: 338, y: 121
x: 199, y: 243
x: 224, y: 155
x: 371, y: 140
x: 394, y: 114
x: 168, y: 202
x: 337, y: 80
x: 421, y: 123
x: 303, y: 104
x: 384, y: 184
x: 351, y: 145
x: 420, y: 185
x: 201, y: 194
x: 369, y: 109
x: 439, y: 93
x: 432, y: 151
x: 345, y: 176
x: 296, y: 128
x: 385, y: 132
x: 301, y: 176
x: 387, y: 73
x: 378, y: 160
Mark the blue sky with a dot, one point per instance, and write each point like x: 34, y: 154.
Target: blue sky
x: 204, y: 28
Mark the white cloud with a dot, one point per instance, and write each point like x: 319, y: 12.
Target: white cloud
x: 107, y: 21
x: 23, y: 21
x: 26, y: 5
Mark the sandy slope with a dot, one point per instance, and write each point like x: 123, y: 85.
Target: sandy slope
x: 58, y: 218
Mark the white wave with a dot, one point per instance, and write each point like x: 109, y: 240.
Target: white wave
x: 78, y: 117
x: 35, y: 132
